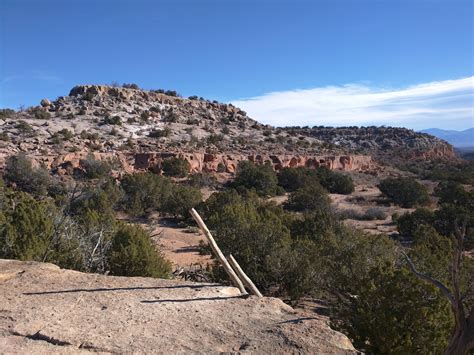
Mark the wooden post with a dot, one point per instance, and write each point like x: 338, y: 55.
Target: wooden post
x: 245, y: 279
x: 233, y: 276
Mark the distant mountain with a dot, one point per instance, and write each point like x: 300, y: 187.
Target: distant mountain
x: 455, y: 138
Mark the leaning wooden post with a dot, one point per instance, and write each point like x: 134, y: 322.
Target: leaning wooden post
x: 233, y: 276
x: 246, y: 280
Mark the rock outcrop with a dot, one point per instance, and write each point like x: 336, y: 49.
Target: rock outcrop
x: 128, y: 162
x: 141, y: 128
x: 45, y: 309
x: 382, y: 141
x: 200, y: 162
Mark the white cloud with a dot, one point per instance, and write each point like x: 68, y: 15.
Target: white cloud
x: 32, y: 75
x: 445, y: 104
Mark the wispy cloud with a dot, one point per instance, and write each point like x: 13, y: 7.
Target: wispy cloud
x: 443, y: 104
x: 32, y: 75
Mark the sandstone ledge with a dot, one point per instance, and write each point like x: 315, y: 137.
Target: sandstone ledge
x: 131, y: 162
x: 45, y: 309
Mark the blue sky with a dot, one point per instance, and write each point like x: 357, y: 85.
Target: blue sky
x: 334, y: 62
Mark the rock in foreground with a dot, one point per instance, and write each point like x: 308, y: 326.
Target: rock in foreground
x: 46, y: 309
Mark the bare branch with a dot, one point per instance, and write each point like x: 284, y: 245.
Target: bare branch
x: 431, y: 280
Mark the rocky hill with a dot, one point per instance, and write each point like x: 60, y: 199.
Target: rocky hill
x: 382, y: 142
x: 141, y: 128
x: 45, y: 309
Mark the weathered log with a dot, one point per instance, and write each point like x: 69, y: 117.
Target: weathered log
x: 243, y: 276
x: 218, y: 253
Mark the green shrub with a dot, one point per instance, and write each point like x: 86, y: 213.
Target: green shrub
x: 4, y: 137
x: 176, y: 167
x: 203, y: 180
x: 159, y: 133
x: 113, y: 120
x: 24, y: 127
x: 144, y: 116
x: 133, y: 253
x: 89, y: 96
x: 31, y: 230
x: 292, y: 179
x: 409, y: 222
x: 90, y: 136
x: 443, y: 220
x: 415, y: 316
x: 374, y: 213
x: 172, y: 93
x: 406, y: 192
x: 450, y: 192
x: 6, y: 112
x: 192, y: 121
x: 448, y: 215
x: 62, y: 135
x: 145, y: 192
x: 27, y: 230
x: 102, y: 197
x: 335, y: 182
x: 214, y: 138
x: 262, y: 178
x: 67, y: 134
x: 131, y: 86
x: 308, y: 198
x: 225, y: 130
x: 41, y: 114
x: 171, y: 117
x: 314, y: 225
x: 94, y: 168
x: 182, y: 199
x: 253, y: 232
x: 442, y: 170
x: 19, y: 170
x: 221, y: 168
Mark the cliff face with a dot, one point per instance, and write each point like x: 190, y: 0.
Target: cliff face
x: 229, y: 162
x: 49, y: 310
x: 66, y: 164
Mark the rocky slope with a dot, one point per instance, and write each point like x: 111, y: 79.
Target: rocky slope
x: 44, y: 309
x: 141, y: 128
x: 382, y: 142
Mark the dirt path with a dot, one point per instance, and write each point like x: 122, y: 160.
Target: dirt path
x: 180, y: 245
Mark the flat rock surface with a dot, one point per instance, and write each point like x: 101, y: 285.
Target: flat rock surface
x: 45, y: 309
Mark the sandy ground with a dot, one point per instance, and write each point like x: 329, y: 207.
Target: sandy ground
x: 362, y: 199
x: 180, y: 245
x: 44, y: 309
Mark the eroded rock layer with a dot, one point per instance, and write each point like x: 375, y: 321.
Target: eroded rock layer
x: 66, y: 164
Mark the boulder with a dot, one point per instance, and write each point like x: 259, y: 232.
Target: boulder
x: 45, y: 103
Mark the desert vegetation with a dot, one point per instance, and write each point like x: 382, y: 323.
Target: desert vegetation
x: 406, y: 192
x: 297, y: 249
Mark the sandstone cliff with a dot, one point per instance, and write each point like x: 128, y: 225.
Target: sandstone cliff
x: 45, y: 309
x: 65, y: 164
